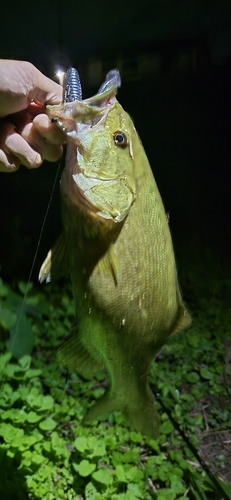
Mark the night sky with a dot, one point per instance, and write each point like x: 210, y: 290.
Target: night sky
x: 182, y: 114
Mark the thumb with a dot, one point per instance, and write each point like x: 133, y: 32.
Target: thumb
x: 45, y: 90
x: 20, y: 83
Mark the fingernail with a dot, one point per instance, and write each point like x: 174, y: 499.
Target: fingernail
x: 38, y: 159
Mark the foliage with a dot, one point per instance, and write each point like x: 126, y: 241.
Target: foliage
x: 45, y: 452
x: 16, y: 315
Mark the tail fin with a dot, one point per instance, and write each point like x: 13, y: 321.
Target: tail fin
x: 143, y: 416
x: 145, y: 419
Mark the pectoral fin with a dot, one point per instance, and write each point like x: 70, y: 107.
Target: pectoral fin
x: 56, y: 263
x: 109, y: 264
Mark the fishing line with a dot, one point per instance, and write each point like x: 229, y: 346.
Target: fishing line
x: 35, y: 255
x: 191, y: 447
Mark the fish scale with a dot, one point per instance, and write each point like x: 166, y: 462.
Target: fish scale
x: 116, y: 247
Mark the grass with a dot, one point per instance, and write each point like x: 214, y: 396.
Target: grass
x: 45, y: 452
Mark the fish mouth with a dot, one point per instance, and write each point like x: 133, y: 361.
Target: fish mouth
x: 74, y: 112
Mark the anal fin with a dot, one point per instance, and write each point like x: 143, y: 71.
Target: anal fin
x: 183, y: 318
x: 75, y: 356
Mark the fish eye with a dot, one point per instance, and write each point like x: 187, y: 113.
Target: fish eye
x: 120, y: 139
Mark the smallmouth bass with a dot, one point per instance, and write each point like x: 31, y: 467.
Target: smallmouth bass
x: 117, y: 249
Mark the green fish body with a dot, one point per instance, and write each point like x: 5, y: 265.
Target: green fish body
x: 117, y: 248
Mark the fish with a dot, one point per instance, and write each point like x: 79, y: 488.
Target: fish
x: 117, y: 249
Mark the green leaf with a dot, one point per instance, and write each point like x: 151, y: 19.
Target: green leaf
x: 7, y: 318
x: 130, y: 456
x: 175, y: 481
x: 166, y: 494
x: 134, y: 474
x: 14, y: 371
x: 163, y: 471
x: 48, y: 425
x: 40, y: 402
x: 16, y: 415
x: 47, y: 446
x: 23, y: 391
x: 154, y: 445
x: 102, y: 476
x: 10, y: 433
x: 56, y: 440
x: 85, y: 468
x: 157, y: 459
x: 44, y: 473
x: 38, y: 436
x: 136, y: 437
x: 47, y: 403
x: 33, y: 417
x: 8, y: 398
x: 99, y: 451
x: 167, y: 427
x: 194, y: 341
x: 225, y: 486
x: 4, y: 360
x: 90, y: 491
x: 21, y: 337
x: 4, y: 290
x: 192, y: 377
x: 38, y: 459
x: 27, y: 442
x: 207, y: 374
x: 165, y: 391
x: 116, y: 458
x: 25, y: 287
x: 135, y: 491
x: 92, y: 442
x: 25, y: 362
x: 80, y: 443
x: 120, y: 474
x: 33, y: 372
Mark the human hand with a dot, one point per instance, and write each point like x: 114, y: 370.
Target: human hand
x: 27, y: 135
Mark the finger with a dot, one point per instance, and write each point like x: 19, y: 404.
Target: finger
x: 26, y: 154
x: 47, y: 151
x: 49, y: 130
x: 8, y: 162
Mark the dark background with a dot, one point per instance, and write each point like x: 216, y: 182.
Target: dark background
x: 179, y: 100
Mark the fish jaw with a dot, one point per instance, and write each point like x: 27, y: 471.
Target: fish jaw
x: 89, y: 111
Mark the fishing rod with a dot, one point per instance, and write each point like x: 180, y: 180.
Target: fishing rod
x: 190, y: 446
